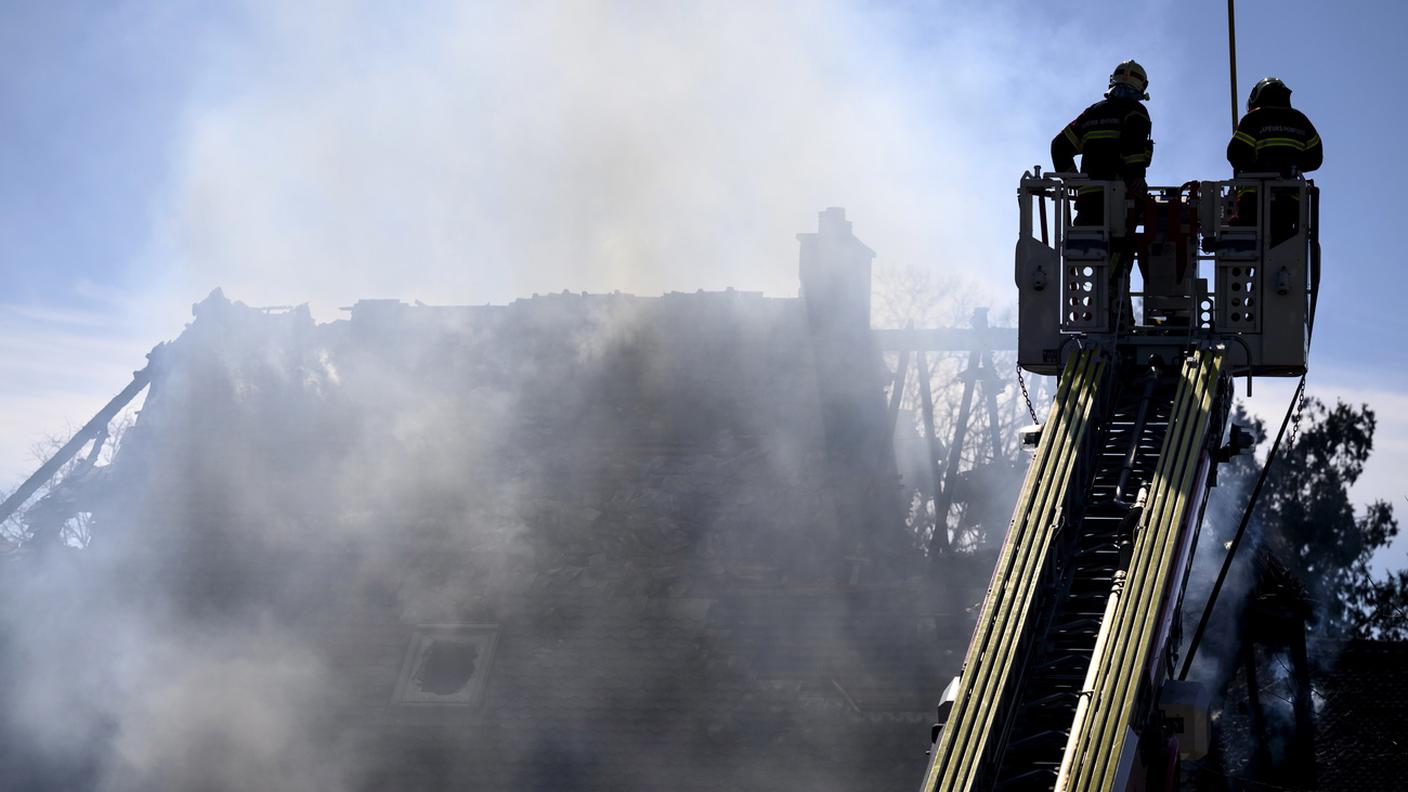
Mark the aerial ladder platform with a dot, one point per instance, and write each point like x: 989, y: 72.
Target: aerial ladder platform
x: 1068, y: 682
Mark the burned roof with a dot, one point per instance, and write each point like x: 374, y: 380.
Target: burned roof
x: 574, y: 542
x: 1356, y: 737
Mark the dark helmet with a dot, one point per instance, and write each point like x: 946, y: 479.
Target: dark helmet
x: 1269, y: 91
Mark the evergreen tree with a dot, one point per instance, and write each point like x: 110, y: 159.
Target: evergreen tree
x: 1306, y: 521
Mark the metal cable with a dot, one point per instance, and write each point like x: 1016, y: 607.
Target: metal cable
x: 1241, y: 530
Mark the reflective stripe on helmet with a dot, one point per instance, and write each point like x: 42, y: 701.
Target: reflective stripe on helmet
x: 1130, y: 73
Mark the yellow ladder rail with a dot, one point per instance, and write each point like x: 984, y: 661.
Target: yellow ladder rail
x: 989, y: 664
x: 1094, y: 753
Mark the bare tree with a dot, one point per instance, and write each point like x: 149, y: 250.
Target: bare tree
x: 989, y: 461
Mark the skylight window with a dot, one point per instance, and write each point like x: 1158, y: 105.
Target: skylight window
x: 446, y: 664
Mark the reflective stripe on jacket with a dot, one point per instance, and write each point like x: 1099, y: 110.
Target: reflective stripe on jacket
x: 1275, y: 140
x: 1112, y: 139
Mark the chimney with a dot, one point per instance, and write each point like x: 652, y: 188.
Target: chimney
x: 835, y: 276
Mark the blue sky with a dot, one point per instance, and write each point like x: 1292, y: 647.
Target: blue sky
x: 331, y: 151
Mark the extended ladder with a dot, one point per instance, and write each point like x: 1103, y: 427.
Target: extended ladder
x: 1059, y: 679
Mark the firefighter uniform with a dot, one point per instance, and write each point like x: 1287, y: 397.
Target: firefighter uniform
x: 1275, y: 138
x: 1112, y: 139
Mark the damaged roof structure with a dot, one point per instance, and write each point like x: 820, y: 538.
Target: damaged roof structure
x: 1353, y: 739
x: 575, y: 542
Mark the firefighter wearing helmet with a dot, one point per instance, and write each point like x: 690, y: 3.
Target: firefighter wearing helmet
x: 1112, y: 139
x: 1272, y: 138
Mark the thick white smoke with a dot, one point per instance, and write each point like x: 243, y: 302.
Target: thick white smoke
x: 475, y: 153
x: 472, y: 153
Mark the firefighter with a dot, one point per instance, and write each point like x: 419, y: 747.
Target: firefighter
x: 1112, y: 137
x: 1272, y: 138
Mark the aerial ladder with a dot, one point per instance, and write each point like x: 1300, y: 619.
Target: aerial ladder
x: 1069, y: 679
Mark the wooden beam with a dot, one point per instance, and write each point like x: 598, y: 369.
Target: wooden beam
x: 897, y: 390
x: 943, y: 497
x: 937, y: 542
x: 94, y: 428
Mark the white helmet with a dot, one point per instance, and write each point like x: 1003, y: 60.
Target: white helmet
x: 1131, y: 74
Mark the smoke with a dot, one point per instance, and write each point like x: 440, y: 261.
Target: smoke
x: 569, y: 493
x: 477, y: 153
x: 1216, y: 650
x: 473, y: 154
x: 299, y: 499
